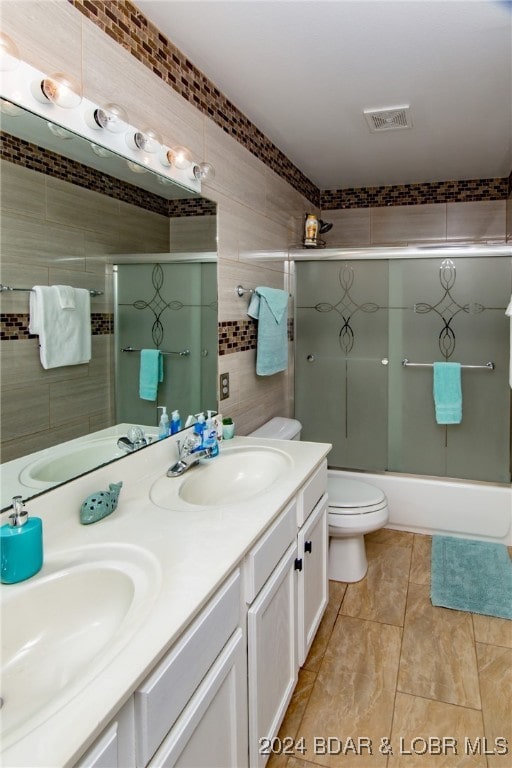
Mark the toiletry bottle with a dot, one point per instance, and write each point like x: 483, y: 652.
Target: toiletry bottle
x: 210, y: 436
x: 163, y: 426
x: 21, y: 544
x: 199, y: 427
x: 175, y: 422
x: 218, y: 425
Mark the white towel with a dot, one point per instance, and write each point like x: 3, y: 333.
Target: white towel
x: 64, y: 335
x: 508, y: 312
x: 66, y: 296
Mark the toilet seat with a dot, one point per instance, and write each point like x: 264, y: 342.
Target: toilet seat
x: 353, y: 497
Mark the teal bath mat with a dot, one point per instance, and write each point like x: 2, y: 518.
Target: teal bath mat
x: 474, y: 576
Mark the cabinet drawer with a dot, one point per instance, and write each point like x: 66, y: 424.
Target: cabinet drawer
x: 312, y: 490
x: 263, y: 558
x: 161, y: 698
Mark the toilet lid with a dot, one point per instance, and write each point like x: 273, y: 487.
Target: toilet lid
x: 353, y: 495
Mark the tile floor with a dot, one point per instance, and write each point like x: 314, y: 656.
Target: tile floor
x: 392, y: 671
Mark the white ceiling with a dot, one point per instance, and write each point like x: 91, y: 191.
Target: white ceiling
x: 304, y: 70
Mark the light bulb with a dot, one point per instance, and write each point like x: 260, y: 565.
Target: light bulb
x: 9, y: 56
x: 147, y: 140
x: 135, y: 167
x: 59, y: 131
x: 112, y: 117
x: 204, y: 172
x: 60, y: 89
x: 8, y: 108
x: 101, y: 151
x: 180, y: 157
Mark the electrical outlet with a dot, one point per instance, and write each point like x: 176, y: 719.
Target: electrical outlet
x: 224, y: 386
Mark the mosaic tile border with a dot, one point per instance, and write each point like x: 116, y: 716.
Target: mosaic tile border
x: 125, y: 24
x: 242, y: 335
x: 36, y: 158
x: 416, y: 194
x: 14, y: 325
x: 237, y: 336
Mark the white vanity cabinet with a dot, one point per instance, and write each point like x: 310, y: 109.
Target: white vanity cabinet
x: 312, y: 554
x: 198, y: 689
x: 271, y: 630
x: 312, y: 584
x: 220, y: 693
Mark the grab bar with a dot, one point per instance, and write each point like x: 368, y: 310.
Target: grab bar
x: 490, y: 366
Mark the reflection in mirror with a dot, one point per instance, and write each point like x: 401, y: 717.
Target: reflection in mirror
x: 69, y: 218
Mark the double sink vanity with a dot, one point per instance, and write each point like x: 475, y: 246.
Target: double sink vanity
x: 182, y: 616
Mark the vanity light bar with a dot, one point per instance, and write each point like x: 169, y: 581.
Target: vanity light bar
x: 17, y: 86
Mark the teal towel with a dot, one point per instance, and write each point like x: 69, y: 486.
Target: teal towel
x: 448, y: 393
x: 270, y: 307
x: 151, y: 373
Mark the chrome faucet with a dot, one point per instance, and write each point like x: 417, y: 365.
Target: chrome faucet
x: 188, y: 456
x: 128, y: 446
x: 136, y: 439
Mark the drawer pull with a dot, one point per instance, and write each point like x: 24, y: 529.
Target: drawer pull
x: 308, y: 546
x: 298, y: 563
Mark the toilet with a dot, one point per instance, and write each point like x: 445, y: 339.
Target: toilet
x: 355, y: 508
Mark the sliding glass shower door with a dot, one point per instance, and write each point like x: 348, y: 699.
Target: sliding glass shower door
x: 358, y: 320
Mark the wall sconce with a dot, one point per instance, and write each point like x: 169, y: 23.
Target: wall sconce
x: 9, y: 56
x: 146, y: 140
x: 60, y: 89
x: 204, y: 172
x: 112, y: 118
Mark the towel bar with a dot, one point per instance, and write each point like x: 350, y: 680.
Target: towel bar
x: 93, y: 292
x: 183, y: 353
x: 490, y: 366
x: 241, y: 291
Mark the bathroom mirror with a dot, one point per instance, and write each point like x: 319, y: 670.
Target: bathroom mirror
x: 73, y: 215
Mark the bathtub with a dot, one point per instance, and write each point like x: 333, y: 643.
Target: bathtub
x: 450, y: 507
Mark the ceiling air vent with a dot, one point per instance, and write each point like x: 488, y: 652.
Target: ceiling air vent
x: 389, y: 119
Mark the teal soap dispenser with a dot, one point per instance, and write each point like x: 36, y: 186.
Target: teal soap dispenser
x: 21, y: 545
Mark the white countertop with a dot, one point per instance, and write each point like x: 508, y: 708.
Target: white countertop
x: 192, y: 549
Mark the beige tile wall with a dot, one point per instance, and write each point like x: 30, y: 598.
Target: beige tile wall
x: 484, y: 221
x: 56, y: 233
x: 259, y: 214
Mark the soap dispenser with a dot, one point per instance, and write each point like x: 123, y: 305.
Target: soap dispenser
x: 163, y: 426
x: 21, y: 543
x: 210, y: 436
x: 175, y: 422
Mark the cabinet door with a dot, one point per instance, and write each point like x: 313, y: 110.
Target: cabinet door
x: 211, y: 732
x: 272, y: 658
x: 312, y: 582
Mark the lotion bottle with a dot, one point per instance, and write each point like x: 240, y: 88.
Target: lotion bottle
x: 210, y: 436
x: 21, y: 543
x: 163, y: 426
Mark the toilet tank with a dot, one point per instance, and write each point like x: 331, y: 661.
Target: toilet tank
x: 279, y: 428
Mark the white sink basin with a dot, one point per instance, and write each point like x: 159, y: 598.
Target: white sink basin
x: 58, y: 467
x: 236, y: 475
x: 62, y: 627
